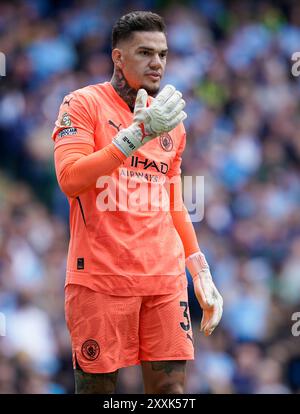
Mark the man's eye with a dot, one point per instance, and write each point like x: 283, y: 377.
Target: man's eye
x: 144, y: 52
x: 163, y: 55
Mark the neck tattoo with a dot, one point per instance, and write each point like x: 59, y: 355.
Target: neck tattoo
x: 121, y: 86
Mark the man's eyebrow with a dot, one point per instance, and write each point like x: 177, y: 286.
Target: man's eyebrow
x: 151, y: 49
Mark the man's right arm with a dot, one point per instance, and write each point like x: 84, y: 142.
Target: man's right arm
x: 78, y: 167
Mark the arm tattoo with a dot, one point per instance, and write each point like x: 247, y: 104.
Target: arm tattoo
x: 168, y: 366
x: 120, y: 84
x: 86, y: 383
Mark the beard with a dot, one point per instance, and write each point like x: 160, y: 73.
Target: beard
x: 151, y: 90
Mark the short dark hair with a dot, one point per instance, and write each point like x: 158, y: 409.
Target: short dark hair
x: 143, y: 21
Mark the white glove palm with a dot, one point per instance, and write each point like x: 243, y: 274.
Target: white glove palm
x: 206, y: 292
x: 163, y: 115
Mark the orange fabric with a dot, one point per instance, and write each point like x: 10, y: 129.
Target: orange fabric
x: 111, y: 332
x: 117, y: 244
x: 78, y: 167
x: 181, y: 219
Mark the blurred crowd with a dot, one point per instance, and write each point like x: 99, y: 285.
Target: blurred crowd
x: 232, y: 62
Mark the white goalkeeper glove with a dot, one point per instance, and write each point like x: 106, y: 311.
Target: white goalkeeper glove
x: 163, y: 115
x: 206, y: 292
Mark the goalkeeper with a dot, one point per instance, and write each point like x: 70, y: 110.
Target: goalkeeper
x: 126, y: 289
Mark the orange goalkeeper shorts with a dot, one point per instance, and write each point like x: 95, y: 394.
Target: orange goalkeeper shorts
x: 111, y: 332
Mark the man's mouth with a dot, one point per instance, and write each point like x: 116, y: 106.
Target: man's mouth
x: 153, y: 75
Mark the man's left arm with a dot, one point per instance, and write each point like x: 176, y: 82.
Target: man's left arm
x: 206, y: 292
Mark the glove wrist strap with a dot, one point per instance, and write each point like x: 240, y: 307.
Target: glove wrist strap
x: 129, y: 140
x: 196, y: 263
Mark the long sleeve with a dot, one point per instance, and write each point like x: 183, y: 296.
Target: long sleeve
x: 77, y: 164
x: 78, y: 167
x: 181, y: 218
x: 180, y: 215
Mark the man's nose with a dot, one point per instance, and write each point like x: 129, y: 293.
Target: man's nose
x: 156, y: 61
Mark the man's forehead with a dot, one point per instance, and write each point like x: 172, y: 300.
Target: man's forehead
x: 150, y: 40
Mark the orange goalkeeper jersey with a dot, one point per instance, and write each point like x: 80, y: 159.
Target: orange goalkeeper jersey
x: 122, y: 237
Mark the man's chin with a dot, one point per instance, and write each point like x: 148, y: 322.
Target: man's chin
x: 151, y: 90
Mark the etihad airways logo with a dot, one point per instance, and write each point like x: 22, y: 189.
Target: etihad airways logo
x: 158, y: 166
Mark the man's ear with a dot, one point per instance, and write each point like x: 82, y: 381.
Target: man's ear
x: 117, y: 58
